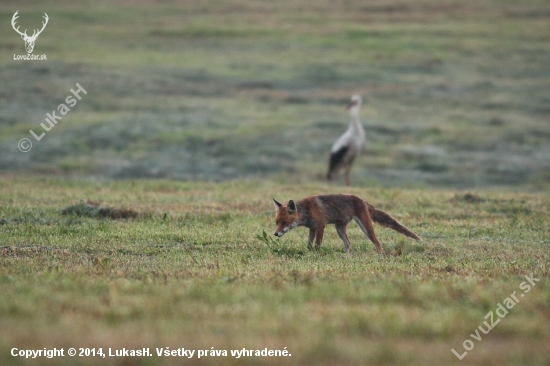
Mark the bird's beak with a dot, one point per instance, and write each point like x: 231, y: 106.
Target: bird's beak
x: 351, y: 104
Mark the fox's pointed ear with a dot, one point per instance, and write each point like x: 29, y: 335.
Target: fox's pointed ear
x: 277, y: 205
x: 291, y: 208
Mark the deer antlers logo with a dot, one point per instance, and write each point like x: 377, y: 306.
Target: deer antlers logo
x: 29, y: 41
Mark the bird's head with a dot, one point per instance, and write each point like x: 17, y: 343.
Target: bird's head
x: 355, y: 101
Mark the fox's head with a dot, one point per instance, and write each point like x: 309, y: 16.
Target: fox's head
x: 286, y: 217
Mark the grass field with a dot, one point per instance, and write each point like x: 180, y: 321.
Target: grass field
x: 188, y: 271
x: 138, y: 220
x: 456, y: 93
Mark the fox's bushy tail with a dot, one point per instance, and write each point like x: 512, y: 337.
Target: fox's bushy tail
x: 384, y: 219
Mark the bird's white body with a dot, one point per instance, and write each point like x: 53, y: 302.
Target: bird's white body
x: 348, y: 146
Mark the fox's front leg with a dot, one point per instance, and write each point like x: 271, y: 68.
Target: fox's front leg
x: 319, y: 235
x: 311, y: 238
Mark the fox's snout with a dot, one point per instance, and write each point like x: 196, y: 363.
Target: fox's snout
x: 279, y: 233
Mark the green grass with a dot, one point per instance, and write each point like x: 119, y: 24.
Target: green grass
x: 191, y: 272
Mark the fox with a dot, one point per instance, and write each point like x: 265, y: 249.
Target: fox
x: 315, y: 212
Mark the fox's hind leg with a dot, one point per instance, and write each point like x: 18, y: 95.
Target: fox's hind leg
x: 341, y: 230
x: 365, y: 223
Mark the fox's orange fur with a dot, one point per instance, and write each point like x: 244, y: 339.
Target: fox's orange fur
x: 315, y: 212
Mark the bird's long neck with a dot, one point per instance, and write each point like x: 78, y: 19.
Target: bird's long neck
x: 355, y: 123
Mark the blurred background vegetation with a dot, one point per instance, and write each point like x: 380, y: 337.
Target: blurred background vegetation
x: 456, y: 92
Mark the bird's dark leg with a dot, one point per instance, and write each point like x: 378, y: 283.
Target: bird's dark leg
x: 346, y: 175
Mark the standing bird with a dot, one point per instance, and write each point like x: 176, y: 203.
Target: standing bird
x: 347, y: 147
